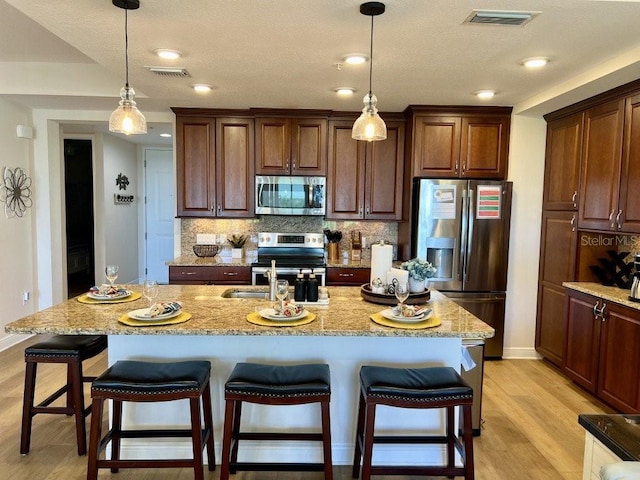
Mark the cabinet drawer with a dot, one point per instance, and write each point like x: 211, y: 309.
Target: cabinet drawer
x: 196, y: 275
x: 347, y: 276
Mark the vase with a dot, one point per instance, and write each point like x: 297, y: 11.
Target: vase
x: 236, y: 253
x: 333, y: 252
x: 416, y: 286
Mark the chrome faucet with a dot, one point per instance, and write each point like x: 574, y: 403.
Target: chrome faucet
x: 273, y: 281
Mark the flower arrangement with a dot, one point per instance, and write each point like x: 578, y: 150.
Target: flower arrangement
x: 419, y: 269
x: 237, y: 241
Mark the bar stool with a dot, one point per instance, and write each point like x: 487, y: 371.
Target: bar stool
x: 435, y: 387
x: 69, y: 349
x: 133, y: 381
x: 275, y: 385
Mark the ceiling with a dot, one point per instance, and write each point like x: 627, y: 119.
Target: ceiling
x: 286, y: 54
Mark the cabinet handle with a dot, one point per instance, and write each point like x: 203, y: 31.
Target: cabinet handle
x: 573, y: 223
x: 293, y: 167
x: 574, y: 197
x: 595, y: 309
x: 345, y: 274
x: 456, y: 168
x: 219, y: 208
x: 230, y: 274
x: 360, y: 211
x: 367, y: 211
x: 603, y: 313
x: 187, y: 273
x: 464, y: 167
x: 611, y: 221
x: 619, y: 220
x: 286, y: 166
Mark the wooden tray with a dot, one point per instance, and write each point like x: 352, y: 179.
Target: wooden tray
x: 386, y: 299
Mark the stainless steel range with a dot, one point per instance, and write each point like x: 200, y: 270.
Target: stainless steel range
x: 293, y: 252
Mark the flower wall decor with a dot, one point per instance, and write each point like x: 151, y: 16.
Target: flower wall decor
x: 15, y: 192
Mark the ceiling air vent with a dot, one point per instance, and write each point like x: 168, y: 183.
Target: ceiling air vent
x: 500, y: 17
x: 170, y: 71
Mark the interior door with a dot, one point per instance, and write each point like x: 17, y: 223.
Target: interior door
x: 159, y: 181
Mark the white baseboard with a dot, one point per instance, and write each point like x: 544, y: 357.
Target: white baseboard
x: 11, y: 340
x: 528, y: 353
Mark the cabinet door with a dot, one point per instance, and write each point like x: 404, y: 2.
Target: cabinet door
x: 436, y: 146
x: 384, y: 167
x: 309, y: 146
x: 600, y: 177
x: 551, y: 323
x: 195, y: 150
x: 629, y: 202
x: 234, y: 167
x: 345, y: 173
x: 484, y: 147
x: 273, y: 146
x: 620, y: 358
x: 562, y: 163
x: 337, y: 276
x: 583, y: 340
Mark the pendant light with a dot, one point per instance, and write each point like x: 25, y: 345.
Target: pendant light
x: 127, y: 118
x: 369, y: 126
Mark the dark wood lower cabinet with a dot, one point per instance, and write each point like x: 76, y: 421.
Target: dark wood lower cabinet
x: 338, y: 276
x: 551, y: 325
x: 602, y: 351
x: 209, y: 275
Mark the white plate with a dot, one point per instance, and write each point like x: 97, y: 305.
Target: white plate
x: 143, y: 314
x: 389, y: 315
x: 117, y: 296
x: 271, y: 314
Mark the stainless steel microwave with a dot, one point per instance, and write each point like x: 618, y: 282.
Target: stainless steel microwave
x: 283, y: 195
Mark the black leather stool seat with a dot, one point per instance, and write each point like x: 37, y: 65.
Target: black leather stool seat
x: 417, y: 384
x: 71, y: 350
x: 141, y: 378
x: 82, y: 346
x: 279, y: 380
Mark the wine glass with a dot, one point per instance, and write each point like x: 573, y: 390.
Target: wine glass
x: 402, y: 293
x: 150, y: 290
x: 282, y: 291
x: 111, y: 271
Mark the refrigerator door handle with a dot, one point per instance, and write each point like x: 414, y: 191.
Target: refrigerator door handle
x: 471, y: 219
x: 463, y: 237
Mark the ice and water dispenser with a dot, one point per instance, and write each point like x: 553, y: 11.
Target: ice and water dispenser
x: 440, y: 253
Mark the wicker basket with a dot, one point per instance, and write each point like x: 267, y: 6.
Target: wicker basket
x: 206, y: 250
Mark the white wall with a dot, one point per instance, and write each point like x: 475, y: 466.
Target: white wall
x: 526, y: 171
x: 16, y: 234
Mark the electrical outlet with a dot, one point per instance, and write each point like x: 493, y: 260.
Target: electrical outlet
x: 25, y: 297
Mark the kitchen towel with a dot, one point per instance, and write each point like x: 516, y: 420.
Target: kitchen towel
x: 381, y: 260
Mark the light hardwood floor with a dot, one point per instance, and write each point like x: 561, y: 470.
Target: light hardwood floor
x: 530, y: 430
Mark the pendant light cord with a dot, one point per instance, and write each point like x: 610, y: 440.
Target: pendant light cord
x: 371, y: 61
x: 126, y: 48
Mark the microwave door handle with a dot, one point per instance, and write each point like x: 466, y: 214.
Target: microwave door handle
x: 310, y: 189
x: 259, y: 196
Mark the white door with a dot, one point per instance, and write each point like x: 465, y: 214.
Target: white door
x: 159, y: 214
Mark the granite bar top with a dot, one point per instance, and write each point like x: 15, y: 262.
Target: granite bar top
x: 611, y: 294
x: 246, y: 261
x: 347, y: 314
x: 619, y: 433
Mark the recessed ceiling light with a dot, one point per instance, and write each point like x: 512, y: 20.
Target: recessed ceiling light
x: 345, y: 91
x: 168, y: 54
x: 485, y: 94
x: 165, y: 135
x: 534, y: 62
x: 355, y: 59
x: 201, y: 88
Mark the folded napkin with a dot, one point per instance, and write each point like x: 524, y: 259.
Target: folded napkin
x: 105, y: 289
x: 162, y: 308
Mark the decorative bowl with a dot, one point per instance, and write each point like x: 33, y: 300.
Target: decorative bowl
x: 387, y: 299
x: 206, y: 250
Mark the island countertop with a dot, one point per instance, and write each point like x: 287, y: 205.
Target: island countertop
x: 346, y: 315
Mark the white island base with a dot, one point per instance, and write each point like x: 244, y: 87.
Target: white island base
x: 343, y: 354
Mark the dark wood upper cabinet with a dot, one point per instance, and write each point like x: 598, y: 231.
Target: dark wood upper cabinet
x: 562, y: 163
x: 291, y: 146
x: 436, y: 146
x: 484, y: 147
x: 629, y: 202
x: 602, y: 156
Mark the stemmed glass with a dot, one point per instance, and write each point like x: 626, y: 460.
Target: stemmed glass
x: 402, y: 293
x: 111, y: 271
x: 150, y: 290
x: 282, y: 291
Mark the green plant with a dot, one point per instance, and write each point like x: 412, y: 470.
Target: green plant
x: 419, y: 269
x: 237, y: 241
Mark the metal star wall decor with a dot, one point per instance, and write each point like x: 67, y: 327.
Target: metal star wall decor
x: 15, y: 192
x: 122, y: 181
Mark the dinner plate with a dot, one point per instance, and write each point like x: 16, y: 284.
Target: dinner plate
x: 116, y: 296
x: 271, y: 314
x: 389, y: 315
x: 143, y: 314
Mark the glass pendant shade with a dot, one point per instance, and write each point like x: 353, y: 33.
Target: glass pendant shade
x: 127, y: 118
x: 369, y: 126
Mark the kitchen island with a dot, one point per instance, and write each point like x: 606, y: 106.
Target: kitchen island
x: 341, y: 335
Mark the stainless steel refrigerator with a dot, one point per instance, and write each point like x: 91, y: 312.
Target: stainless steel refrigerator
x: 462, y: 228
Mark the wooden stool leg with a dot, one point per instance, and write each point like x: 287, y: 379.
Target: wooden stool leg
x: 27, y: 405
x: 326, y: 440
x: 208, y: 424
x: 367, y: 456
x: 75, y: 390
x: 227, y: 439
x: 70, y: 395
x: 116, y: 429
x: 95, y: 435
x: 451, y: 436
x: 468, y: 443
x: 235, y: 441
x: 357, y: 456
x: 196, y: 438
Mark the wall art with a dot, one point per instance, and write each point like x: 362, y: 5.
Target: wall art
x: 15, y: 192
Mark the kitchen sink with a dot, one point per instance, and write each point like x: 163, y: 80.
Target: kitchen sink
x: 239, y: 293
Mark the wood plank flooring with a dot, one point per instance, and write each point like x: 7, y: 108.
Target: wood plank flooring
x: 530, y: 429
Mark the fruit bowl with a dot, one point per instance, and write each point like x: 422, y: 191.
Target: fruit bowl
x: 202, y: 250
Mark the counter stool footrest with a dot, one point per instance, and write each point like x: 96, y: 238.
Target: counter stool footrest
x: 276, y: 467
x: 161, y: 433
x: 146, y: 463
x: 410, y: 439
x: 418, y: 471
x: 310, y: 437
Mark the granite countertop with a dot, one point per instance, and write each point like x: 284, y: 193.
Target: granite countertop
x: 346, y: 315
x: 619, y: 433
x: 611, y: 294
x: 246, y: 261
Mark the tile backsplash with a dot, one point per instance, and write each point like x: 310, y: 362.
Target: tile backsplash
x: 193, y: 229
